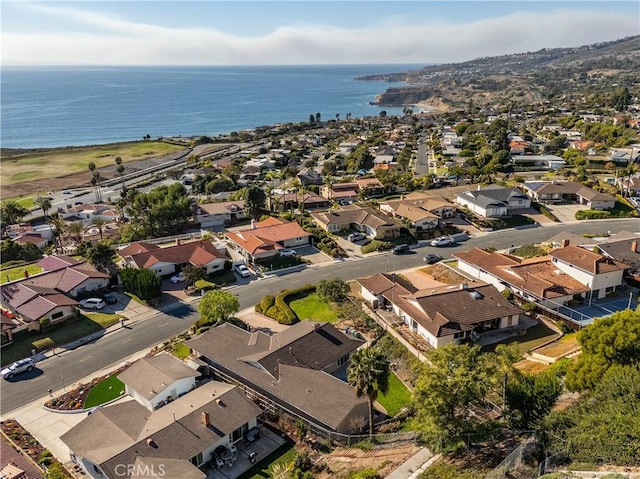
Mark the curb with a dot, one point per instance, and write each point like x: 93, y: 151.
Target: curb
x: 79, y: 411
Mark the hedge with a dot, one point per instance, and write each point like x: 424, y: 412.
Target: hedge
x: 592, y: 214
x: 376, y: 245
x: 278, y: 308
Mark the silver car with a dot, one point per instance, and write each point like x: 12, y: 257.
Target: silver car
x: 20, y: 366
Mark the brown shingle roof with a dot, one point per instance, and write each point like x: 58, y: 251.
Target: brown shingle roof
x: 266, y: 235
x: 587, y: 260
x: 137, y: 247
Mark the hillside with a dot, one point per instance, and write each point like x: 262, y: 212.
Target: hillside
x: 519, y: 79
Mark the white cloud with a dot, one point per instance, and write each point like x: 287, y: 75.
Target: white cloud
x: 116, y: 41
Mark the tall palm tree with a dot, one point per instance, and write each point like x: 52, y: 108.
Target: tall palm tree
x: 59, y: 224
x: 44, y: 203
x: 369, y: 374
x: 98, y: 223
x: 75, y: 230
x: 120, y: 170
x: 95, y: 178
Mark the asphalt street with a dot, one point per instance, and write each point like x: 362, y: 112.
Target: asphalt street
x: 64, y: 370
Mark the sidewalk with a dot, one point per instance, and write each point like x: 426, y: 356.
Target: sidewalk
x: 415, y: 465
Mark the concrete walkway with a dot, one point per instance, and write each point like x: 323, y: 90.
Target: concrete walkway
x: 415, y: 465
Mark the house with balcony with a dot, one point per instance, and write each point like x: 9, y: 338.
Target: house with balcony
x: 296, y: 371
x: 493, y: 200
x: 124, y: 439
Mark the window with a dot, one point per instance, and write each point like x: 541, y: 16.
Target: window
x: 197, y: 460
x: 57, y: 315
x: 510, y: 321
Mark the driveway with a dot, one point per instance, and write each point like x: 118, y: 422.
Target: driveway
x: 534, y: 215
x: 312, y: 254
x: 565, y: 213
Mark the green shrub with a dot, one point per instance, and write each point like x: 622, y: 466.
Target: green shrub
x: 592, y: 214
x: 42, y: 344
x: 529, y: 307
x: 44, y: 323
x: 368, y: 473
x: 267, y: 302
x: 507, y: 294
x: 376, y: 245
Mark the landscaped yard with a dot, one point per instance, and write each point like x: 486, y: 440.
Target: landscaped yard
x: 263, y: 470
x: 181, y: 350
x: 313, y: 308
x: 87, y: 324
x: 103, y: 392
x: 535, y: 336
x: 396, y: 398
x: 17, y: 272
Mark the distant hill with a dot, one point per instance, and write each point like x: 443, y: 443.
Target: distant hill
x: 521, y: 78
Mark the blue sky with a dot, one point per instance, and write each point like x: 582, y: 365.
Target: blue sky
x: 299, y: 32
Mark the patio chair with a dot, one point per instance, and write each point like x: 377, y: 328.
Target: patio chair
x: 233, y: 449
x: 219, y: 461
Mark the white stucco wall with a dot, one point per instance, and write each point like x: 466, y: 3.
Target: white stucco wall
x: 90, y: 284
x: 163, y: 269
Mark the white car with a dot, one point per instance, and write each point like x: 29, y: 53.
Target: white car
x: 287, y: 253
x: 18, y: 367
x: 92, y: 303
x: 353, y: 237
x: 442, y: 241
x: 242, y: 270
x: 178, y: 278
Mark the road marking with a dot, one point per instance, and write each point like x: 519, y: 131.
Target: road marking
x: 163, y: 325
x: 127, y: 340
x: 85, y: 359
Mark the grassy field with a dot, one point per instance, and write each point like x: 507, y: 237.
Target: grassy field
x: 396, y: 398
x: 12, y: 274
x: 57, y: 162
x: 283, y: 455
x: 311, y: 307
x: 535, y: 336
x: 103, y: 392
x: 27, y: 201
x: 89, y: 323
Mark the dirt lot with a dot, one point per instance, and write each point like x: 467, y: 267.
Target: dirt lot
x: 343, y: 460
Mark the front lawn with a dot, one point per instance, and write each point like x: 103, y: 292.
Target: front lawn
x: 66, y: 333
x: 313, y: 308
x: 12, y: 274
x: 103, y: 392
x: 396, y: 398
x: 181, y: 350
x: 279, y: 262
x: 263, y: 470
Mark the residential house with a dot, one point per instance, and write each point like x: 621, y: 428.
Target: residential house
x: 370, y: 187
x: 293, y: 371
x: 171, y: 259
x: 225, y: 213
x: 116, y: 441
x: 630, y: 185
x: 365, y: 220
x: 156, y: 380
x: 291, y: 201
x: 424, y: 212
x: 263, y: 239
x: 31, y: 238
x: 36, y: 306
x: 340, y: 191
x: 44, y: 230
x: 552, y: 162
x: 568, y: 191
x: 87, y: 213
x: 374, y: 288
x: 310, y: 177
x: 626, y: 251
x: 493, y: 200
x: 567, y: 273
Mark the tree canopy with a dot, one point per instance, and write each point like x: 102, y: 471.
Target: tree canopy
x: 164, y: 210
x: 255, y: 202
x: 332, y: 290
x: 217, y: 306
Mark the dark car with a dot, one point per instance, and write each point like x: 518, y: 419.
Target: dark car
x: 400, y: 249
x: 110, y: 298
x: 432, y: 258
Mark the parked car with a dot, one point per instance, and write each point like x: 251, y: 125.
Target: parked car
x: 442, y: 241
x: 432, y: 258
x: 66, y: 192
x: 401, y: 249
x: 111, y: 298
x: 93, y: 303
x: 178, y: 278
x: 287, y: 253
x: 20, y: 366
x: 356, y: 237
x: 242, y: 270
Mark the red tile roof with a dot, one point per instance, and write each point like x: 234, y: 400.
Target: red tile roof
x: 198, y: 253
x: 587, y: 260
x: 267, y: 235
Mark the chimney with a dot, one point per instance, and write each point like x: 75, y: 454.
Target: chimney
x: 565, y: 243
x: 205, y: 418
x: 253, y: 224
x: 464, y: 285
x: 634, y: 246
x: 479, y: 187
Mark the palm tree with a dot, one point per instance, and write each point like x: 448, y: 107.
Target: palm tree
x: 369, y: 374
x: 120, y: 170
x: 98, y: 223
x: 75, y: 229
x: 95, y: 178
x: 44, y: 203
x: 59, y: 224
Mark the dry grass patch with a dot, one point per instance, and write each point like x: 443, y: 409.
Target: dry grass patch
x: 443, y: 274
x: 530, y: 367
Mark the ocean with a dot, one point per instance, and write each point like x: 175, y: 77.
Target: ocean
x: 74, y: 106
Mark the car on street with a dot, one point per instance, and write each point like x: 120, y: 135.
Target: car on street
x: 66, y: 192
x: 93, y: 303
x: 177, y: 278
x: 20, y: 366
x: 442, y: 241
x: 401, y: 249
x: 242, y: 270
x: 353, y: 237
x: 287, y: 253
x: 432, y: 258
